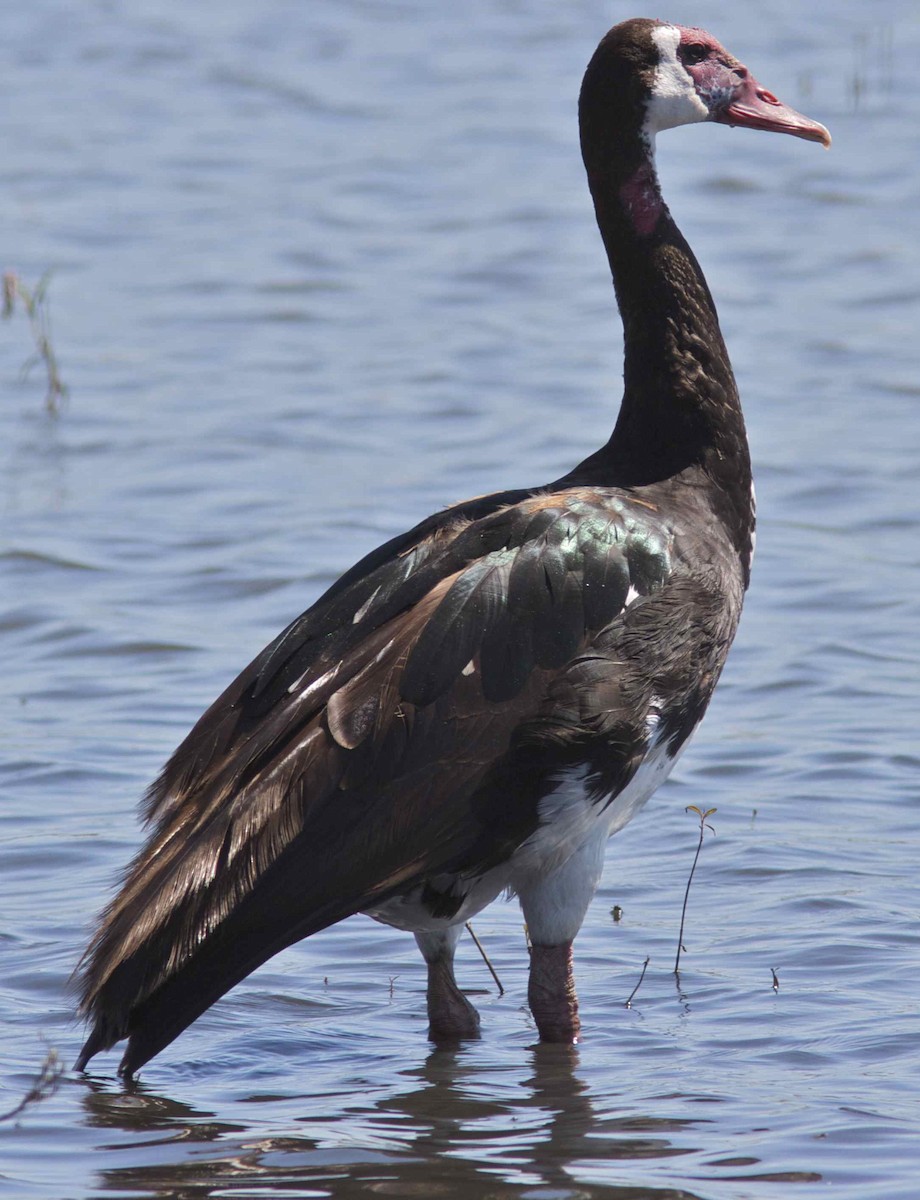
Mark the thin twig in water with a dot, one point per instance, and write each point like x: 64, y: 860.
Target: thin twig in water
x: 629, y: 1001
x: 45, y: 1084
x: 485, y: 959
x: 704, y: 825
x: 33, y: 301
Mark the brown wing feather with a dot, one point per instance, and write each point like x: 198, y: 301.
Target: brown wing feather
x: 357, y: 781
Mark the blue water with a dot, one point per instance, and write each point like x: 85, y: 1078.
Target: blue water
x: 317, y: 269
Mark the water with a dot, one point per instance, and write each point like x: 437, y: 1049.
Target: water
x: 319, y: 269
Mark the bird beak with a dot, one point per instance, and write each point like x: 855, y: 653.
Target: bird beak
x: 753, y: 107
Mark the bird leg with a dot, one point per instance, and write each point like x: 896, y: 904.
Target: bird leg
x: 554, y: 906
x: 450, y: 1015
x: 551, y: 993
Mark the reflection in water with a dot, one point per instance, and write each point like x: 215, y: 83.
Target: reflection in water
x: 456, y: 1132
x: 134, y: 1111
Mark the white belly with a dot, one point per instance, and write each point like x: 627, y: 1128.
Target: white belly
x: 555, y: 872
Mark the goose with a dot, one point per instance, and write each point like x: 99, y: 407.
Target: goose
x: 477, y: 705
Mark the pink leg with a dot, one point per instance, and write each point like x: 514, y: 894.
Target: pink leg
x: 450, y: 1014
x: 551, y: 993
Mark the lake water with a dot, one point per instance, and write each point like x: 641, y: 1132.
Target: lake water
x: 320, y: 268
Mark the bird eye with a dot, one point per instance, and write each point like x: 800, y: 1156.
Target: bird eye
x: 693, y: 53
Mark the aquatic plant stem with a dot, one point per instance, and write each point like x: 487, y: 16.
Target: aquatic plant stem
x: 34, y: 303
x: 485, y: 958
x: 629, y: 999
x: 704, y: 825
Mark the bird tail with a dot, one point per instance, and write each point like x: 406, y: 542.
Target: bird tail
x: 193, y: 919
x: 122, y: 1002
x: 119, y: 1008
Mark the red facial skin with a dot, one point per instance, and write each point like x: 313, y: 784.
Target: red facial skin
x: 733, y: 96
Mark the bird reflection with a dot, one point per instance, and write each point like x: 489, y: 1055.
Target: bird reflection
x: 463, y: 1125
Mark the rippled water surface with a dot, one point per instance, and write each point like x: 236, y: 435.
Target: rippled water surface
x: 318, y: 269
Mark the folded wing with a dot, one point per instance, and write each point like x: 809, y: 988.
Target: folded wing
x: 349, y: 761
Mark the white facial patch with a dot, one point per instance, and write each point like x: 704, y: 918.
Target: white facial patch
x: 674, y: 100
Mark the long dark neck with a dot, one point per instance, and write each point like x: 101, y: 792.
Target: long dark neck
x: 680, y: 410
